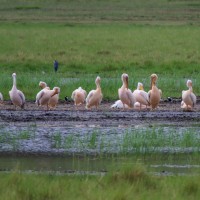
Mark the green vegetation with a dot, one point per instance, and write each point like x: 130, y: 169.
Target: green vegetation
x: 114, y: 142
x: 105, y: 38
x: 123, y: 183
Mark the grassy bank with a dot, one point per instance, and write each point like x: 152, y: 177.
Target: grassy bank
x: 106, y: 38
x: 85, y: 51
x: 126, y: 183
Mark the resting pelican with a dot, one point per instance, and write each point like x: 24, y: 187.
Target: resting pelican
x: 125, y: 94
x: 17, y: 97
x: 154, y: 93
x: 44, y: 96
x: 54, y: 100
x: 44, y: 86
x: 141, y: 97
x: 188, y: 97
x: 94, y: 97
x: 79, y: 96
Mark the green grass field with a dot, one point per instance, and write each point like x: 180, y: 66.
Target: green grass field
x: 130, y: 182
x: 105, y: 38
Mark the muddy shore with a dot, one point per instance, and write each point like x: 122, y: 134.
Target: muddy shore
x: 106, y: 116
x: 34, y: 131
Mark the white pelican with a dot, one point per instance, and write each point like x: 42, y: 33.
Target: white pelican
x: 154, y: 93
x: 17, y: 97
x: 79, y: 96
x: 54, y: 100
x: 119, y: 104
x: 44, y: 86
x: 125, y: 94
x: 44, y: 96
x: 188, y: 97
x: 94, y: 97
x: 141, y: 97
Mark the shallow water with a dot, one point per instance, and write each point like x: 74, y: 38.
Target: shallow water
x: 68, y: 142
x: 178, y: 164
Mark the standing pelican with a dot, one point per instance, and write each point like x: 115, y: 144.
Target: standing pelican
x: 188, y: 97
x: 53, y: 101
x: 141, y: 97
x: 94, y: 97
x: 125, y: 94
x: 154, y: 93
x: 79, y: 96
x: 44, y: 96
x: 17, y: 97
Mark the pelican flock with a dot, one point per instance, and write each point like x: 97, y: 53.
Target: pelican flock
x: 138, y: 99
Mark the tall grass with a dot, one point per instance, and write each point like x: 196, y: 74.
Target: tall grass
x: 125, y: 183
x: 85, y: 51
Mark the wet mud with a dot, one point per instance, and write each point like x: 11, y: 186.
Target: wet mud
x: 58, y: 132
x: 105, y: 116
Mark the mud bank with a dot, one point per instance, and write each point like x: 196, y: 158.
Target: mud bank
x: 105, y: 115
x: 68, y: 131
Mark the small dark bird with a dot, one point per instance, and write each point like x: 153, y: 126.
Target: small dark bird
x: 55, y: 65
x: 66, y: 98
x: 169, y: 99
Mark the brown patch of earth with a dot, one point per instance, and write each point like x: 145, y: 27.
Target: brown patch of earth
x: 104, y: 115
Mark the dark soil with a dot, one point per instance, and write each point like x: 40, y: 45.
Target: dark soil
x: 37, y: 131
x: 104, y: 115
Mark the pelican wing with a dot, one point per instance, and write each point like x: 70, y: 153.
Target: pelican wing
x: 149, y: 94
x: 144, y: 95
x: 21, y: 95
x: 194, y: 98
x: 73, y: 94
x: 39, y: 96
x: 85, y: 93
x: 131, y: 98
x: 91, y: 93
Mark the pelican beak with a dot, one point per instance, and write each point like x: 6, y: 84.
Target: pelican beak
x: 56, y: 92
x: 141, y: 87
x: 151, y: 82
x: 126, y: 79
